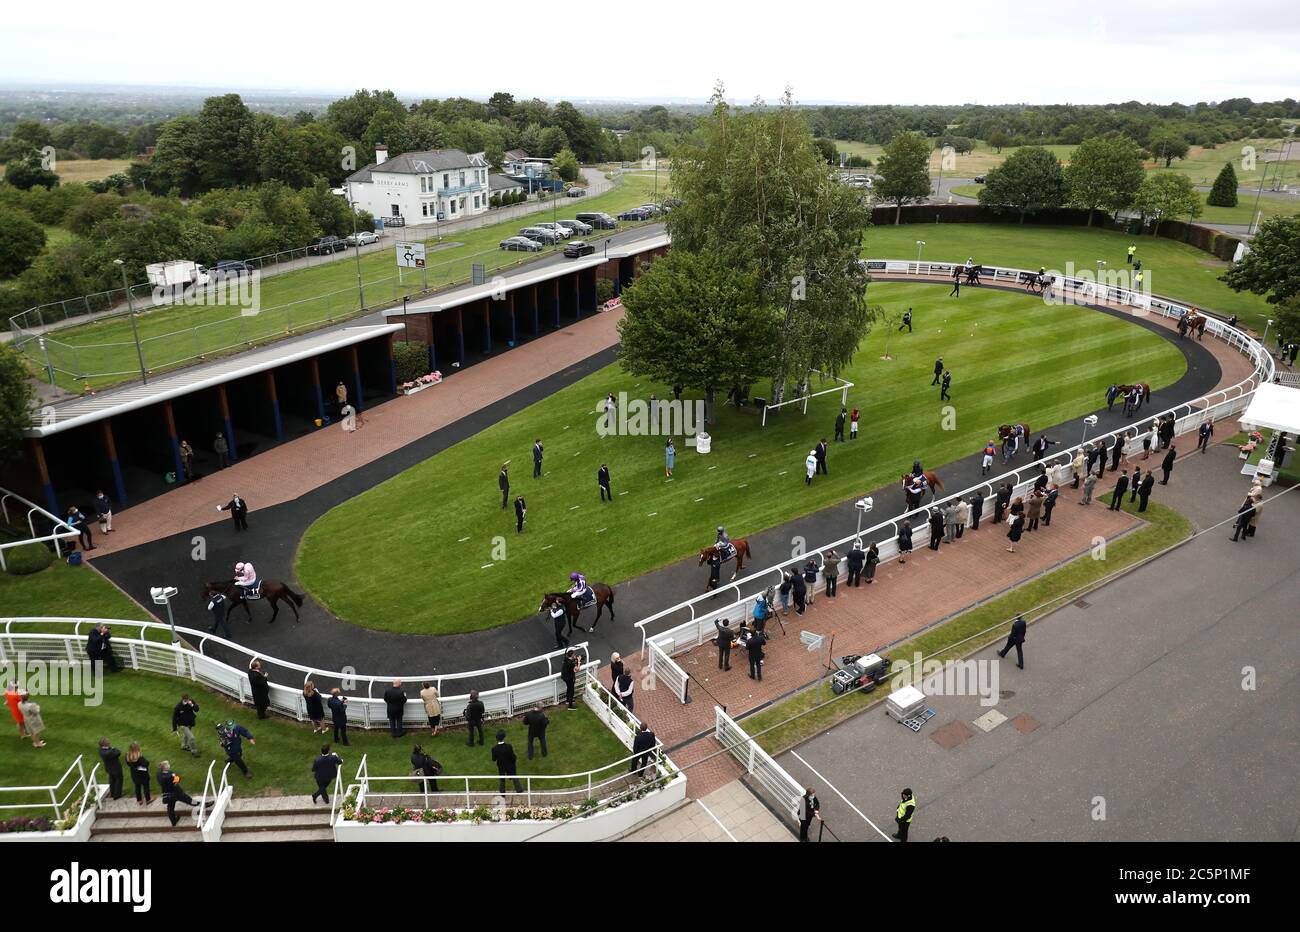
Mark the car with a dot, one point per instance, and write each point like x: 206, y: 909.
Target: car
x: 362, y: 238
x: 576, y: 192
x: 325, y: 245
x: 230, y: 268
x: 577, y: 226
x: 978, y: 179
x: 653, y: 210
x: 600, y: 220
x: 577, y: 249
x: 555, y: 227
x: 541, y: 234
x: 636, y: 213
x: 521, y: 244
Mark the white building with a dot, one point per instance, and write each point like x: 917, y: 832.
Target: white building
x: 419, y: 187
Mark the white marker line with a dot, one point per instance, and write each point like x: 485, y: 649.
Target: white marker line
x: 713, y: 467
x: 790, y: 444
x: 699, y: 499
x: 652, y: 514
x: 752, y: 455
x: 743, y: 485
x: 486, y: 565
x: 548, y: 546
x: 783, y: 472
x: 716, y: 819
x: 574, y: 506
x: 579, y: 453
x: 795, y: 755
x: 622, y: 493
x: 462, y: 540
x: 602, y: 530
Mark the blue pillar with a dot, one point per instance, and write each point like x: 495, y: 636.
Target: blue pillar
x: 175, y: 441
x: 230, y: 440
x: 42, y: 468
x: 557, y: 304
x: 118, y: 484
x: 275, y: 404
x: 110, y: 447
x: 315, y: 384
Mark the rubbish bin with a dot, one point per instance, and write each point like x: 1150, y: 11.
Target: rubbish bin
x: 703, y: 442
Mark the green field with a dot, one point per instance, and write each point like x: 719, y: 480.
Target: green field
x: 1174, y: 269
x: 299, y: 300
x: 138, y: 707
x: 1012, y: 357
x: 976, y: 162
x: 63, y: 591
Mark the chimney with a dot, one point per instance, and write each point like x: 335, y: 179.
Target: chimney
x: 381, y: 153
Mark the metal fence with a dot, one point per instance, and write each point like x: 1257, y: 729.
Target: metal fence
x: 32, y: 514
x: 1188, y: 416
x: 364, y: 709
x: 785, y: 791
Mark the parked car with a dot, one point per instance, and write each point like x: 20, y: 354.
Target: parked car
x: 541, y: 234
x: 325, y: 245
x: 555, y: 227
x: 576, y: 192
x: 230, y: 268
x: 978, y: 179
x: 600, y: 220
x: 653, y: 210
x: 362, y: 238
x: 577, y: 249
x: 577, y: 226
x: 521, y: 244
x: 636, y: 213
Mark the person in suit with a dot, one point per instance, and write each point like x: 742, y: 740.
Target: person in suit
x: 521, y: 509
x: 503, y: 483
x: 820, y: 452
x: 1244, y: 514
x: 187, y: 461
x: 1117, y: 451
x: 799, y: 592
x: 831, y: 571
x: 1089, y: 483
x: 260, y: 687
x: 1117, y: 497
x: 809, y: 809
x: 429, y: 768
x: 1144, y: 490
x: 222, y: 449
x: 569, y: 677
x: 754, y: 645
x: 945, y: 385
x: 559, y: 618
x: 474, y: 712
x: 936, y: 528
x: 623, y: 688
x: 1167, y: 464
x: 1033, y: 511
x: 643, y: 745
x: 856, y: 560
x: 904, y: 540
x: 938, y: 370
x: 723, y: 628
x: 503, y: 755
x: 839, y: 423
x: 325, y: 768
x: 907, y: 321
x: 537, y: 458
x: 976, y: 509
x: 394, y: 706
x: 104, y: 511
x: 903, y: 815
x: 238, y: 509
x: 602, y: 480
x: 956, y: 283
x: 138, y: 766
x: 1049, y: 503
x: 169, y: 782
x: 217, y: 605
x: 1016, y: 639
x: 1134, y: 483
x: 1000, y: 502
x: 112, y: 759
x: 536, y: 721
x: 338, y: 704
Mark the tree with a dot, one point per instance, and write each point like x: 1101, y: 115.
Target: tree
x: 1168, y: 146
x: 28, y: 172
x: 566, y: 165
x: 501, y: 105
x: 999, y: 140
x: 550, y: 141
x: 21, y: 241
x: 1272, y: 267
x: 694, y: 319
x: 1166, y: 196
x: 179, y: 160
x: 1105, y: 172
x: 904, y: 169
x: 17, y: 400
x: 827, y: 149
x: 225, y: 130
x: 1224, y: 192
x: 1286, y: 320
x: 1029, y: 180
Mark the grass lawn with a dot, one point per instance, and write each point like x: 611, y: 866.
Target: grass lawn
x: 138, y: 707
x: 976, y: 162
x: 299, y: 300
x: 1202, y: 165
x: 812, y: 711
x: 1012, y: 358
x: 1174, y: 269
x: 64, y: 591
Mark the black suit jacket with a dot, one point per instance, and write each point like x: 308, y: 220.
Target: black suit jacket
x: 537, y: 453
x: 1168, y: 461
x: 1018, y: 631
x: 395, y: 701
x: 504, y: 756
x: 602, y: 477
x: 519, y: 507
x: 820, y: 452
x: 503, y: 481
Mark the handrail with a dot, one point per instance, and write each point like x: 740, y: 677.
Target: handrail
x: 90, y: 791
x: 209, y: 793
x: 1238, y: 339
x: 50, y: 788
x: 33, y: 508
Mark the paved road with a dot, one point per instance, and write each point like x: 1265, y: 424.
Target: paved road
x: 1139, y: 701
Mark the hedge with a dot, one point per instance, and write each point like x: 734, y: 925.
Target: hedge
x: 26, y: 559
x: 412, y: 360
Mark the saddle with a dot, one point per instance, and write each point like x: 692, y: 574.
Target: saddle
x: 585, y: 598
x: 252, y: 592
x: 726, y: 552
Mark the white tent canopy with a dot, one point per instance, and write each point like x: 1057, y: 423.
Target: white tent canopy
x: 1274, y: 407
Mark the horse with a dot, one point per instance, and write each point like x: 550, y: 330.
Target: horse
x: 932, y: 480
x: 741, y: 546
x: 273, y: 591
x: 1005, y: 431
x: 604, y: 596
x: 1144, y: 391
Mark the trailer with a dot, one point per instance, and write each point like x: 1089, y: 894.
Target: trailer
x: 176, y: 273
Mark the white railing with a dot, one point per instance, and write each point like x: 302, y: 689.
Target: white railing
x: 135, y: 650
x: 667, y: 672
x: 60, y: 792
x: 842, y: 388
x: 61, y: 529
x: 782, y: 787
x: 220, y: 801
x: 1187, y: 417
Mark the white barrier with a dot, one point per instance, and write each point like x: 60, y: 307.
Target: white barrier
x: 783, y: 789
x: 1188, y: 416
x: 366, y: 711
x: 61, y: 530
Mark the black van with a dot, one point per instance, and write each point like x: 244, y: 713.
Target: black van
x: 599, y: 220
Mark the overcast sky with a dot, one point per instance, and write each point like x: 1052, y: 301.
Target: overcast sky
x: 1003, y: 51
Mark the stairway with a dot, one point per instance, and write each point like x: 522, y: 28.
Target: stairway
x: 273, y: 818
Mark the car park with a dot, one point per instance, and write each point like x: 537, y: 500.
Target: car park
x: 600, y: 220
x: 636, y: 213
x: 577, y: 249
x: 521, y: 244
x: 541, y: 234
x: 555, y: 227
x: 325, y: 245
x: 577, y: 226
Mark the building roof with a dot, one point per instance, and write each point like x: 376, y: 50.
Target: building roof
x: 420, y: 163
x: 516, y: 154
x: 503, y: 183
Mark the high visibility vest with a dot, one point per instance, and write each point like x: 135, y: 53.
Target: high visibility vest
x: 1131, y: 250
x: 903, y: 813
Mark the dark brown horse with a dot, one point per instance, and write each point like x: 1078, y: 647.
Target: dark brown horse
x: 604, y: 598
x: 932, y: 480
x: 1144, y: 391
x: 742, y: 551
x: 273, y: 591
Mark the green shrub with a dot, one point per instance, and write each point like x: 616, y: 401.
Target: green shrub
x: 412, y: 361
x: 26, y: 559
x: 604, y: 290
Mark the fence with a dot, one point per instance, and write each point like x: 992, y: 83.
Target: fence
x: 367, y: 711
x: 804, y: 395
x: 59, y: 529
x: 760, y: 765
x: 61, y: 794
x: 1188, y: 416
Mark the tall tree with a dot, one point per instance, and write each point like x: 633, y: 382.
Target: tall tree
x: 1224, y: 192
x: 17, y: 400
x: 1104, y: 173
x: 1167, y: 196
x: 1272, y: 267
x: 999, y: 140
x: 904, y: 170
x: 226, y: 134
x: 1029, y: 180
x: 21, y: 241
x: 1167, y: 145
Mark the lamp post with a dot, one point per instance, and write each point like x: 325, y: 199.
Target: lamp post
x: 356, y: 248
x: 163, y: 595
x: 920, y: 244
x: 862, y: 506
x: 135, y: 334
x: 1263, y: 341
x: 1089, y: 421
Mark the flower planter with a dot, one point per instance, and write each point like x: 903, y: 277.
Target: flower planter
x: 420, y: 384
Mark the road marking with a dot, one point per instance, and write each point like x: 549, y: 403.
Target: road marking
x: 462, y: 540
x: 795, y: 755
x: 716, y: 819
x: 486, y: 565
